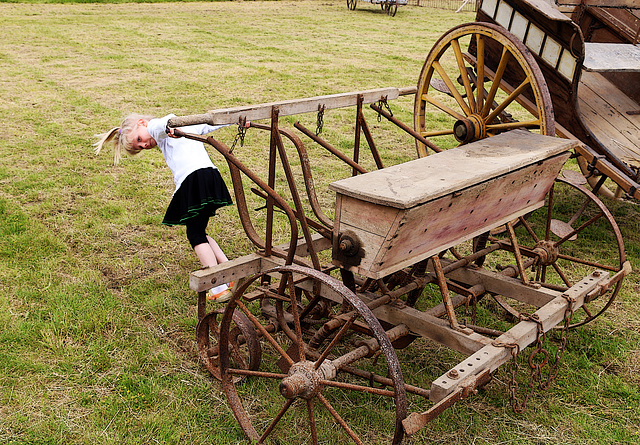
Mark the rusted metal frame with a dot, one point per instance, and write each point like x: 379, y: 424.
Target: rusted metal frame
x: 500, y: 283
x: 321, y: 229
x: 384, y: 380
x: 294, y: 191
x: 235, y: 167
x: 271, y: 180
x: 202, y: 305
x: 517, y: 254
x: 368, y: 136
x: 356, y: 143
x: 414, y: 422
x: 493, y: 355
x: 306, y: 173
x: 444, y: 290
x: 324, y: 144
x: 406, y: 128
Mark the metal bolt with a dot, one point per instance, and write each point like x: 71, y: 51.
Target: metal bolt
x: 453, y: 374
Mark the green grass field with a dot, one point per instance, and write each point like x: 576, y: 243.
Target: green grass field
x: 97, y: 321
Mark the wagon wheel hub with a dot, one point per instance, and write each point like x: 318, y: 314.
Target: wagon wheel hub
x: 303, y: 381
x: 547, y: 252
x: 470, y: 129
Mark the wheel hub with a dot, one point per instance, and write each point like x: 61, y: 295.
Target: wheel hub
x: 547, y: 252
x: 472, y: 128
x: 303, y: 381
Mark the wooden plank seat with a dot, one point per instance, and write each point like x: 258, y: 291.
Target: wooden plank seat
x: 604, y: 109
x: 391, y: 218
x: 611, y: 57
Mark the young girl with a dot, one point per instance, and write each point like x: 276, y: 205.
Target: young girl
x: 200, y: 190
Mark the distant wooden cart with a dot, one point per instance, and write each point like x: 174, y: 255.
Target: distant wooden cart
x: 388, y: 6
x: 584, y: 52
x: 419, y: 250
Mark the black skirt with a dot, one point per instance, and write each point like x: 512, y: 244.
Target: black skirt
x: 201, y: 193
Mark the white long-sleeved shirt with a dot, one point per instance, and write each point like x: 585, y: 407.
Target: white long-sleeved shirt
x: 183, y: 156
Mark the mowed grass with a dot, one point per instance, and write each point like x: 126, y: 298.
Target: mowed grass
x: 96, y: 318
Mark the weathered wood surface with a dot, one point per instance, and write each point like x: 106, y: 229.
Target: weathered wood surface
x: 412, y: 183
x: 604, y: 110
x: 406, y: 213
x: 524, y: 333
x: 602, y: 3
x: 285, y: 108
x: 608, y: 57
x: 248, y: 265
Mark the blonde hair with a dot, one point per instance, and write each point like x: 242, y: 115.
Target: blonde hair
x: 119, y: 136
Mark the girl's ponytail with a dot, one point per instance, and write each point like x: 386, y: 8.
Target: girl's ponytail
x: 106, y: 138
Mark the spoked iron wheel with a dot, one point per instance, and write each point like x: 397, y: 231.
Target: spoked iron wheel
x: 244, y: 345
x: 479, y: 80
x: 572, y: 224
x: 314, y: 392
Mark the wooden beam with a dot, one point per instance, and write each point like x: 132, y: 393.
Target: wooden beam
x: 285, y: 108
x: 492, y: 356
x: 601, y: 3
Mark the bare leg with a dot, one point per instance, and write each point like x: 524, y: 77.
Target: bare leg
x: 220, y: 256
x: 206, y: 255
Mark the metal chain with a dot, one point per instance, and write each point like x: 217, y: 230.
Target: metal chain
x: 242, y: 131
x: 320, y: 120
x: 564, y: 334
x: 535, y: 378
x: 383, y: 103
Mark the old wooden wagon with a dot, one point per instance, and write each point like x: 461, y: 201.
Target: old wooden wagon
x: 585, y: 51
x: 390, y: 7
x: 473, y: 249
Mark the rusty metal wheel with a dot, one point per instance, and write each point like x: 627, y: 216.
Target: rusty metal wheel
x: 351, y: 4
x: 479, y: 80
x: 390, y: 7
x: 573, y: 221
x: 244, y: 345
x: 313, y: 394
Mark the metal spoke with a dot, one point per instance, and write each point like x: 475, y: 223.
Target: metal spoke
x: 339, y: 419
x: 275, y: 421
x: 581, y: 228
x: 312, y: 422
x: 264, y: 332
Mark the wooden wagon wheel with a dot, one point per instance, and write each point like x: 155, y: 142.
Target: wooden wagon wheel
x: 572, y: 218
x: 464, y: 96
x: 351, y: 4
x: 306, y: 385
x: 244, y: 345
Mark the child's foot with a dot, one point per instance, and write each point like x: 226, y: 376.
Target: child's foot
x: 219, y: 294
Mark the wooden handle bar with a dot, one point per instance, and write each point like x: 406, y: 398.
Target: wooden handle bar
x: 289, y: 107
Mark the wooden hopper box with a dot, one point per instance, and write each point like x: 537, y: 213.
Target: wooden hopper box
x: 392, y: 218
